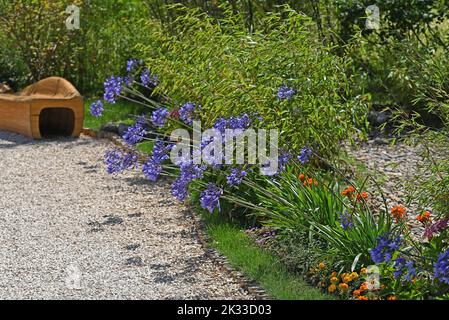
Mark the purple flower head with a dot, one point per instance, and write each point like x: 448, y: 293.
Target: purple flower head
x: 435, y: 228
x: 136, y: 132
x: 221, y: 124
x: 160, y: 151
x: 346, y: 220
x: 131, y: 64
x: 304, y: 155
x: 386, y: 247
x: 112, y: 88
x: 128, y: 80
x: 186, y: 113
x: 180, y: 189
x: 235, y: 177
x: 283, y: 159
x: 285, y: 92
x: 240, y: 122
x: 152, y: 169
x: 148, y: 79
x: 210, y: 197
x: 117, y: 161
x: 441, y: 267
x: 405, y: 268
x: 158, y: 117
x: 96, y: 108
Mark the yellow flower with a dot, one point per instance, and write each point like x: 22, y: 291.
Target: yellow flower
x: 334, y: 274
x: 332, y: 288
x: 347, y: 279
x: 392, y: 298
x: 322, y: 266
x: 363, y: 271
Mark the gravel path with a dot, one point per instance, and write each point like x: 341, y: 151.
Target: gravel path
x: 71, y: 231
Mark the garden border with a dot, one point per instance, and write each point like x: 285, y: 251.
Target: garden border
x: 220, y: 260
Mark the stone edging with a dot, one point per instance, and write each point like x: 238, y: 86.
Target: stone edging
x: 216, y: 257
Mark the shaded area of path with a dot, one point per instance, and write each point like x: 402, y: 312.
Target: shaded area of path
x: 68, y: 230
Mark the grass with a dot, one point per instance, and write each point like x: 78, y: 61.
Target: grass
x: 257, y: 263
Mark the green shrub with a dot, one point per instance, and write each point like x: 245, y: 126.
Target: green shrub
x: 228, y: 71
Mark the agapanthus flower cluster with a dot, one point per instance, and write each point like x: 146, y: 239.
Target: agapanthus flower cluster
x: 441, y: 267
x: 96, y: 108
x: 186, y: 113
x: 346, y: 220
x: 436, y: 227
x: 241, y: 122
x: 148, y: 79
x: 188, y: 172
x: 131, y: 64
x: 152, y: 167
x: 159, y: 116
x: 387, y: 245
x: 128, y: 80
x: 117, y: 161
x: 404, y: 268
x: 283, y: 159
x: 235, y: 177
x: 113, y: 87
x: 285, y: 92
x: 304, y: 155
x: 136, y: 132
x: 210, y: 197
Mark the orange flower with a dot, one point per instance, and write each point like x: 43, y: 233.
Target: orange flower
x: 334, y: 280
x: 362, y: 196
x: 302, y: 177
x: 354, y: 276
x: 310, y: 182
x: 362, y: 298
x: 348, y: 191
x: 332, y: 288
x: 347, y: 279
x: 334, y: 274
x: 356, y: 293
x: 322, y: 266
x: 398, y: 212
x: 363, y: 271
x: 364, y: 287
x: 423, y: 218
x: 343, y: 287
x: 392, y: 298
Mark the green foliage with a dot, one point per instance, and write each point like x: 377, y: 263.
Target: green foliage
x: 227, y: 71
x: 258, y: 263
x: 38, y: 44
x: 288, y: 204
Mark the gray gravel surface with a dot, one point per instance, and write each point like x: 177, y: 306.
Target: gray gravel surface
x: 68, y: 230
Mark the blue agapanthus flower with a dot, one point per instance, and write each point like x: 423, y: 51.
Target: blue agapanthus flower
x: 128, y: 80
x: 136, y: 132
x: 158, y: 116
x: 304, y: 155
x: 346, y: 221
x: 96, y: 108
x: 405, y: 268
x: 221, y: 124
x: 285, y: 92
x: 235, y: 177
x: 152, y: 169
x: 113, y: 87
x: 179, y: 189
x: 131, y: 64
x: 148, y: 79
x: 118, y: 161
x: 386, y: 247
x: 186, y: 113
x: 283, y: 159
x: 240, y: 122
x: 441, y: 267
x: 188, y: 172
x: 210, y: 197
